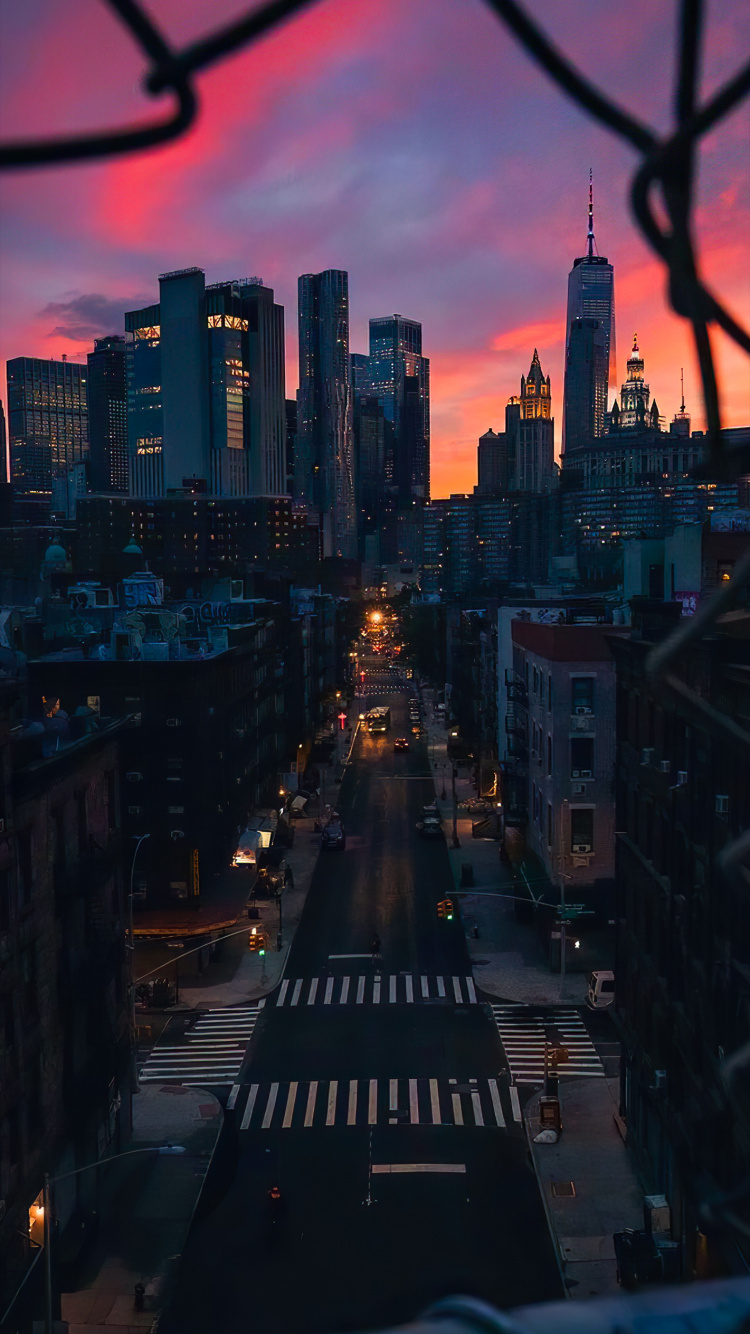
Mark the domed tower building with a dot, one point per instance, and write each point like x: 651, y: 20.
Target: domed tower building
x: 635, y: 408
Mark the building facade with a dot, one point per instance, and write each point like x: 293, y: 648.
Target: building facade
x: 48, y: 433
x: 400, y: 377
x: 530, y: 434
x: 108, y: 415
x: 591, y: 296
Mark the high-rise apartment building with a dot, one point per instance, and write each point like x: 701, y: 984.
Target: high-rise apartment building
x: 591, y: 296
x: 205, y: 373
x: 530, y: 433
x: 48, y: 429
x: 108, y: 415
x: 324, y: 466
x: 492, y: 464
x: 400, y: 378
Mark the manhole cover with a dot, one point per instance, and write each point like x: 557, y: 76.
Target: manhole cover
x: 563, y: 1188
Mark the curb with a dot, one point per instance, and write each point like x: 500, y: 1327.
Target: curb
x: 545, y: 1205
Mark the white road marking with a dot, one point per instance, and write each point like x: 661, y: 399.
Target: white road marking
x: 344, y: 991
x: 409, y: 989
x: 413, y: 1103
x: 435, y: 1102
x: 282, y: 991
x: 231, y: 1100
x: 349, y: 956
x: 515, y: 1104
x: 392, y: 990
x: 393, y: 1169
x: 496, y: 1103
x: 471, y: 990
x: 312, y: 1094
x: 425, y: 987
x: 268, y: 1114
x: 372, y: 1104
x: 313, y: 991
x: 360, y: 990
x: 297, y: 990
x: 333, y: 1089
x: 441, y: 986
x: 329, y: 991
x: 476, y: 1104
x: 392, y: 1095
x: 458, y: 1116
x: 252, y: 1095
x: 290, y: 1101
x: 351, y: 1115
x: 376, y: 991
x: 457, y: 990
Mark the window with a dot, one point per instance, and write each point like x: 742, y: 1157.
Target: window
x: 550, y: 825
x: 582, y: 694
x: 581, y: 757
x: 582, y: 829
x: 549, y: 756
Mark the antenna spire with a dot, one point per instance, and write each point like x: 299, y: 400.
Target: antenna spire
x: 590, y: 236
x: 682, y: 389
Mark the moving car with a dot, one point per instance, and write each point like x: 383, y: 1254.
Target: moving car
x: 401, y: 743
x: 430, y: 825
x: 334, y: 836
x: 601, y: 992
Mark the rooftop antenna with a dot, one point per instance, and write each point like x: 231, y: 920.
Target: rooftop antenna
x: 682, y: 389
x: 590, y: 236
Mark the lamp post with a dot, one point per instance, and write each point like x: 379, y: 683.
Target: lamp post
x: 163, y: 1150
x: 131, y: 946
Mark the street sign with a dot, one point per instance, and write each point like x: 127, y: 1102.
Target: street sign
x: 568, y: 914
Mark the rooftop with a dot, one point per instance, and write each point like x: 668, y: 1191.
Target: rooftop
x: 564, y: 643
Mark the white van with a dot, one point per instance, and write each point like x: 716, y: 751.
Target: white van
x: 601, y: 991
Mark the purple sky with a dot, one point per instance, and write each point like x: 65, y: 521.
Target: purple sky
x: 412, y: 144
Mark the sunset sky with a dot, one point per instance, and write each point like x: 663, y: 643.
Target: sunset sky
x: 412, y: 144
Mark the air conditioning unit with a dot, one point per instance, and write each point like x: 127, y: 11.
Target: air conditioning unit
x: 174, y: 722
x: 682, y: 777
x: 581, y: 847
x: 134, y: 810
x: 586, y: 773
x: 576, y: 773
x: 579, y: 789
x: 134, y: 777
x: 583, y: 724
x: 665, y: 766
x: 582, y: 708
x: 722, y: 806
x: 647, y: 755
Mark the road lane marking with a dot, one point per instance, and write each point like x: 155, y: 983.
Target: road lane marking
x: 476, y: 1104
x: 496, y: 1103
x: 351, y: 1114
x: 413, y: 1103
x: 290, y: 1101
x: 349, y: 956
x: 425, y: 987
x: 312, y: 1094
x: 297, y: 990
x: 283, y: 990
x: 441, y: 987
x: 409, y: 989
x: 392, y: 989
x: 231, y: 1100
x: 471, y: 990
x: 376, y: 991
x: 261, y: 1003
x: 392, y: 1095
x: 333, y: 1089
x: 458, y: 1116
x: 515, y: 1104
x: 393, y: 1169
x: 360, y: 990
x: 268, y: 1114
x: 313, y: 991
x: 344, y: 991
x: 457, y: 990
x: 372, y: 1105
x: 435, y: 1102
x: 329, y: 991
x: 252, y: 1095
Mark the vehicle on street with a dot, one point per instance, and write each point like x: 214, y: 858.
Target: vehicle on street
x: 601, y: 992
x: 430, y: 825
x: 378, y: 719
x: 333, y: 836
x: 401, y: 743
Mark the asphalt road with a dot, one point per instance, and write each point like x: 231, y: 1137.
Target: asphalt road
x: 355, y: 1068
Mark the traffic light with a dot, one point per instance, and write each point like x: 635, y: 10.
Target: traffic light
x: 256, y: 941
x: 445, y: 909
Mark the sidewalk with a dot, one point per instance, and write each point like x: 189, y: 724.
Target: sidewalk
x: 606, y: 1196
x: 146, y: 1204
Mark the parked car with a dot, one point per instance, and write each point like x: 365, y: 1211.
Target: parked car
x: 601, y: 992
x: 401, y: 743
x: 334, y: 836
x: 430, y: 826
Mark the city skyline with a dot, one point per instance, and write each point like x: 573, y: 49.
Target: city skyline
x: 425, y: 183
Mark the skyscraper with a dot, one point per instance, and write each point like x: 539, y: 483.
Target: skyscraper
x: 48, y: 429
x: 206, y: 406
x: 400, y: 378
x: 492, y: 464
x: 108, y: 420
x: 591, y: 296
x: 530, y: 433
x: 324, y: 464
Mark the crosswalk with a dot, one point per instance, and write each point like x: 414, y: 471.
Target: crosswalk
x: 523, y: 1037
x: 374, y: 989
x: 212, y: 1053
x: 307, y: 1104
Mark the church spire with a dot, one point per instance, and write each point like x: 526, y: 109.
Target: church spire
x: 590, y: 235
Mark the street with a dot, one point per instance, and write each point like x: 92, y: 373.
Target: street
x: 375, y: 1094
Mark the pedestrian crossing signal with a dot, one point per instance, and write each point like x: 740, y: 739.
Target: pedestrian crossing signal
x: 445, y: 909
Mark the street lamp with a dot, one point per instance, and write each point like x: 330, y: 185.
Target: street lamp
x: 162, y: 1150
x: 131, y: 946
